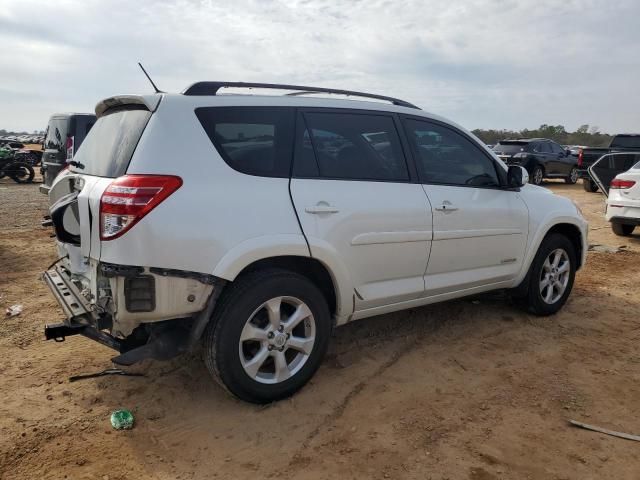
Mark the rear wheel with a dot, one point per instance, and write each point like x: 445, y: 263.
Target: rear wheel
x: 537, y: 175
x: 589, y: 185
x: 268, y: 335
x: 573, y: 176
x: 551, y: 275
x: 22, y: 173
x: 622, y: 229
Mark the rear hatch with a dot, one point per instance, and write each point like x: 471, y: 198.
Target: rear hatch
x: 74, y: 198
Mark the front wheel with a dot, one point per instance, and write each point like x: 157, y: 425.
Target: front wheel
x: 573, y: 176
x: 537, y: 175
x: 551, y: 275
x: 268, y: 335
x: 622, y: 230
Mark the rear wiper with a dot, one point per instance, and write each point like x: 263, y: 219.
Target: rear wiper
x: 79, y: 165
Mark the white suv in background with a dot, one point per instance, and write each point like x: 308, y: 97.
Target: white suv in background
x: 257, y: 223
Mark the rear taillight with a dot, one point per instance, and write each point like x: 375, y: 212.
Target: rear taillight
x: 622, y: 184
x: 128, y: 199
x: 70, y: 147
x: 580, y: 157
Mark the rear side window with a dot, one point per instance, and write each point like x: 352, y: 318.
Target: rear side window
x: 252, y: 140
x: 350, y: 146
x: 542, y: 147
x: 57, y: 134
x: 109, y: 146
x: 444, y: 156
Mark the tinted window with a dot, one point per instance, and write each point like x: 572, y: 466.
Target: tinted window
x: 107, y: 149
x: 82, y: 126
x: 56, y: 134
x: 556, y: 148
x: 626, y: 141
x: 542, y: 147
x: 447, y: 157
x: 253, y: 140
x: 350, y: 146
x: 511, y: 147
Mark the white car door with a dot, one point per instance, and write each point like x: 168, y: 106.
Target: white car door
x: 356, y: 202
x: 479, y: 227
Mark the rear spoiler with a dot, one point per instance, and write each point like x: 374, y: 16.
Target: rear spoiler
x: 149, y: 101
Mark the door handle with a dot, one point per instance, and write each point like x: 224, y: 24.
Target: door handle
x: 446, y: 207
x: 321, y: 208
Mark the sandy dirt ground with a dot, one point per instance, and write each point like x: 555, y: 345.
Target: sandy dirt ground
x: 470, y: 389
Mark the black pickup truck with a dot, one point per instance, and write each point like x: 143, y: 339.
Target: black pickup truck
x: 627, y: 142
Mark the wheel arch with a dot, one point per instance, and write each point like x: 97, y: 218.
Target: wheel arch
x: 290, y: 252
x: 573, y: 233
x: 565, y: 226
x: 308, y: 267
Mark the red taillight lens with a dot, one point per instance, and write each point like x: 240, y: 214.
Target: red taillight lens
x: 128, y: 199
x: 580, y: 157
x: 622, y: 184
x: 70, y: 147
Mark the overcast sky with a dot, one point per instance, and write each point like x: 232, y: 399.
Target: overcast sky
x: 485, y: 64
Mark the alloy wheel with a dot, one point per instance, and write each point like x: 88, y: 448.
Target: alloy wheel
x: 277, y: 340
x: 555, y: 276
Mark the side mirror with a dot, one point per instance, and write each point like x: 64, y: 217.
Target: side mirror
x: 517, y: 176
x: 568, y: 152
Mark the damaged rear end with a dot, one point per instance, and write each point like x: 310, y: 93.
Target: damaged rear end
x: 140, y: 310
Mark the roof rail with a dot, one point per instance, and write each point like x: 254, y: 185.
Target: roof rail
x: 211, y: 88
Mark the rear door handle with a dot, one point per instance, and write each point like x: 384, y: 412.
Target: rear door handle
x: 321, y: 208
x: 446, y: 207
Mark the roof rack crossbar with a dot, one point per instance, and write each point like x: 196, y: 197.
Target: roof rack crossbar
x: 211, y: 88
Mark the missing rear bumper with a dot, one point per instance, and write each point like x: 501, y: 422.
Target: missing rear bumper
x: 159, y: 340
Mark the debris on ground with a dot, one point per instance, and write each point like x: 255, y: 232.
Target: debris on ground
x: 122, y: 419
x: 108, y: 371
x: 586, y: 426
x: 14, y: 310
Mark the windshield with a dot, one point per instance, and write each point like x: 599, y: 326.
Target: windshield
x: 626, y: 141
x: 511, y: 147
x: 109, y: 145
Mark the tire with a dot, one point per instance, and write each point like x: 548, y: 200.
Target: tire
x: 573, y: 176
x: 532, y: 298
x: 622, y: 229
x: 23, y: 173
x: 537, y: 175
x: 243, y: 311
x: 589, y: 185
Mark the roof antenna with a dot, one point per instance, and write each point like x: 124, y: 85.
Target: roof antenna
x: 150, y: 81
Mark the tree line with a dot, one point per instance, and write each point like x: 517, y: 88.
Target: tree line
x: 585, y: 135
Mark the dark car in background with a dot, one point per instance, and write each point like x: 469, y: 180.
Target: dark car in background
x: 541, y: 157
x: 621, y: 143
x: 64, y: 135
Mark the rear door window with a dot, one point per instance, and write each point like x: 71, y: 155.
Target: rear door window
x: 350, y: 146
x: 444, y: 156
x: 109, y: 146
x: 252, y: 140
x: 556, y: 148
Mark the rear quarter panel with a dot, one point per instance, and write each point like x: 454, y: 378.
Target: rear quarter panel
x: 215, y: 210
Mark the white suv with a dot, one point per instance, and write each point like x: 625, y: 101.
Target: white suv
x: 257, y: 223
